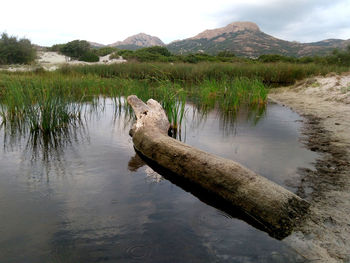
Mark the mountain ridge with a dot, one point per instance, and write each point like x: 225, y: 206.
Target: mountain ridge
x: 246, y: 39
x: 242, y: 38
x: 133, y: 42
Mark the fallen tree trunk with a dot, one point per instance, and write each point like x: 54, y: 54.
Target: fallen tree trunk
x: 270, y: 204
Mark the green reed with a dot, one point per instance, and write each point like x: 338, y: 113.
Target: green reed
x: 38, y: 106
x: 48, y: 102
x: 281, y: 73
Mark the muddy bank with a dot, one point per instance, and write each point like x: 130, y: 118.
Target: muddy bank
x: 325, y: 104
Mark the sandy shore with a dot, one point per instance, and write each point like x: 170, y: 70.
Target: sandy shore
x: 51, y: 61
x: 325, y: 104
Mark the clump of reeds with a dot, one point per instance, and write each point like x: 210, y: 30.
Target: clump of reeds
x: 38, y: 107
x: 229, y: 95
x: 173, y: 101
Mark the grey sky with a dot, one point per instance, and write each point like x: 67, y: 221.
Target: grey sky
x: 298, y: 20
x: 106, y: 21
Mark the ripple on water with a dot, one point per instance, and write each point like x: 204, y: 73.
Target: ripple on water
x: 138, y: 251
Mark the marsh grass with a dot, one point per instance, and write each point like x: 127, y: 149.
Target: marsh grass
x: 50, y: 102
x: 229, y: 95
x: 281, y: 73
x: 38, y: 106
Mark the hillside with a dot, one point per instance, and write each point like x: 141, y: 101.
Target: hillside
x: 138, y: 41
x: 246, y: 39
x: 241, y: 38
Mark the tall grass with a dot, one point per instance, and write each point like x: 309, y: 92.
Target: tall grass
x: 269, y: 73
x: 229, y: 95
x: 49, y: 102
x: 38, y: 107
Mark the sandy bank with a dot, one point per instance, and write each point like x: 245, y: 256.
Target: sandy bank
x: 325, y: 103
x: 51, y: 61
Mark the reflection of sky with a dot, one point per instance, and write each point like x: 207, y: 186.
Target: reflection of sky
x: 270, y: 148
x: 94, y: 209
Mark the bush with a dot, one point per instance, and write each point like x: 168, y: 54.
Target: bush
x: 225, y: 54
x: 267, y: 58
x: 163, y: 51
x: 89, y: 57
x: 340, y: 57
x: 125, y: 53
x: 13, y: 51
x: 104, y: 51
x: 76, y: 49
x: 147, y: 54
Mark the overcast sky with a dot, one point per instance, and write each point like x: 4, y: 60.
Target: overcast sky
x: 47, y: 22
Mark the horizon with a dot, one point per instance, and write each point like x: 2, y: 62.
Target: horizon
x: 302, y: 21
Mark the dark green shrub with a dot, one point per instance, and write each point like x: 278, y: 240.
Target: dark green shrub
x: 125, y: 53
x: 306, y: 60
x: 149, y: 54
x: 13, y: 51
x: 225, y: 54
x: 75, y: 49
x: 89, y: 57
x: 104, y: 51
x: 339, y: 57
x: 191, y: 58
x: 267, y: 58
x: 163, y: 51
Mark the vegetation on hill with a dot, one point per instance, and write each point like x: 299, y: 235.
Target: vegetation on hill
x: 162, y: 54
x: 337, y: 57
x: 104, y: 51
x: 82, y: 50
x: 16, y: 51
x: 79, y: 49
x: 340, y: 57
x: 155, y: 53
x: 248, y: 41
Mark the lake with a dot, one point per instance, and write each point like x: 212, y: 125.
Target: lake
x: 88, y: 197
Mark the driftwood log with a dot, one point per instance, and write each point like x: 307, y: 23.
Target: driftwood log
x: 270, y: 204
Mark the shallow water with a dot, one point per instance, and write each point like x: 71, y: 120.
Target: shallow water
x: 90, y: 199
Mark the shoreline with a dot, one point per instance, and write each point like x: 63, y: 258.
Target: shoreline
x: 324, y: 102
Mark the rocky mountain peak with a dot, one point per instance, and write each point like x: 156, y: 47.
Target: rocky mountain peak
x: 141, y: 40
x: 240, y: 26
x: 230, y: 28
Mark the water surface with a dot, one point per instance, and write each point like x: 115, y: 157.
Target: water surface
x: 90, y: 199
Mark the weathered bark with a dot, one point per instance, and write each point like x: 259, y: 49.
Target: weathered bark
x: 272, y: 205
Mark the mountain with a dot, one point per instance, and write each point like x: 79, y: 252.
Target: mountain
x: 138, y: 41
x: 241, y: 38
x: 246, y: 39
x: 96, y: 45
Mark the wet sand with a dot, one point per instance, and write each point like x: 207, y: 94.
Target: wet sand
x: 325, y: 104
